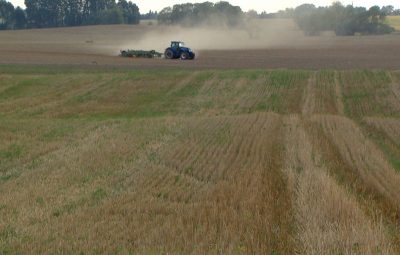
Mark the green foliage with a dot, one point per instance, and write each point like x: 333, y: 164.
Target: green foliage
x: 207, y: 13
x: 109, y: 16
x: 58, y: 13
x: 19, y: 18
x: 6, y: 15
x: 344, y: 20
x: 130, y: 11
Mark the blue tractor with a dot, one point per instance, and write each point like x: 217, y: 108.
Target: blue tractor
x: 178, y: 50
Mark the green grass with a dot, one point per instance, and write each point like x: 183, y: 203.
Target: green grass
x: 368, y: 93
x: 390, y: 148
x: 114, y: 94
x: 12, y: 152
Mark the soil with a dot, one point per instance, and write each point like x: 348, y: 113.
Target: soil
x: 269, y: 49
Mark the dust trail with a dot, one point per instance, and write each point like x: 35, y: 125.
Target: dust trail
x: 257, y: 34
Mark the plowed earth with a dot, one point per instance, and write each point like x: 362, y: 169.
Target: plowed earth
x: 216, y: 49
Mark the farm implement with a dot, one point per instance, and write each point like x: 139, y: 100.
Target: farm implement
x: 140, y: 54
x: 177, y: 50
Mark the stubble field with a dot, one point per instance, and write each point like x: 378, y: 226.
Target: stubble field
x: 227, y: 154
x: 203, y: 162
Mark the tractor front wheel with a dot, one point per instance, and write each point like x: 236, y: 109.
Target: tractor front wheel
x: 184, y: 56
x: 169, y: 54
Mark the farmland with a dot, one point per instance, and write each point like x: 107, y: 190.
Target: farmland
x: 112, y: 161
x: 265, y: 44
x: 270, y: 142
x: 394, y: 21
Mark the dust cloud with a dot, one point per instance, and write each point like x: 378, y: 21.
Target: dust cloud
x: 108, y: 40
x: 254, y: 35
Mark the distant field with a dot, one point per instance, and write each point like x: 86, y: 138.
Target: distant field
x: 262, y: 44
x: 394, y: 21
x: 199, y: 162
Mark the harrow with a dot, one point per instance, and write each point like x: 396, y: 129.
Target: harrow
x: 140, y: 54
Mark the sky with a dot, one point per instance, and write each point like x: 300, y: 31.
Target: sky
x: 259, y: 5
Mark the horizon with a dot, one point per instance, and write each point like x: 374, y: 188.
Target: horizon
x: 145, y: 6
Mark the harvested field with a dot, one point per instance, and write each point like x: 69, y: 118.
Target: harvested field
x: 263, y: 44
x: 394, y: 21
x: 101, y: 161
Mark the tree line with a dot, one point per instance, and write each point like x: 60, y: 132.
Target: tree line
x: 11, y: 17
x: 60, y: 13
x: 388, y: 10
x: 343, y: 20
x: 207, y: 13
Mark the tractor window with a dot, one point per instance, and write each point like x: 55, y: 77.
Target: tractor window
x: 177, y: 44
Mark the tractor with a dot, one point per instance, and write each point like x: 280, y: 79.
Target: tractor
x: 178, y: 50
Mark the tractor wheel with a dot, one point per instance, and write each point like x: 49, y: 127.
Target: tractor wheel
x: 184, y: 56
x: 169, y: 54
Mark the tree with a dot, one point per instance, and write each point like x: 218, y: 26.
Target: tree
x: 232, y: 14
x: 111, y: 16
x: 207, y: 13
x: 344, y: 20
x: 387, y: 10
x: 94, y: 9
x: 252, y: 14
x: 165, y: 16
x: 57, y: 13
x: 20, y: 18
x: 43, y: 13
x: 6, y: 15
x: 149, y: 15
x: 130, y: 11
x: 72, y: 12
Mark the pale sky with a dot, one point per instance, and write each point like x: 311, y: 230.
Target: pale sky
x: 259, y: 5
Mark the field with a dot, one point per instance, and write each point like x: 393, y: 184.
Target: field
x: 270, y: 142
x: 265, y: 44
x: 394, y: 21
x: 103, y: 161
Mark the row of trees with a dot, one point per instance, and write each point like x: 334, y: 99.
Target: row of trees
x: 344, y: 20
x: 207, y: 13
x: 59, y: 13
x: 11, y: 17
x: 149, y: 16
x: 388, y: 10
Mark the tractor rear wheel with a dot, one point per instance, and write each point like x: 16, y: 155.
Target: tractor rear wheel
x: 184, y: 56
x: 169, y: 54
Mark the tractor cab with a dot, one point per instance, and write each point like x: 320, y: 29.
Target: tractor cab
x: 179, y: 50
x: 175, y: 44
